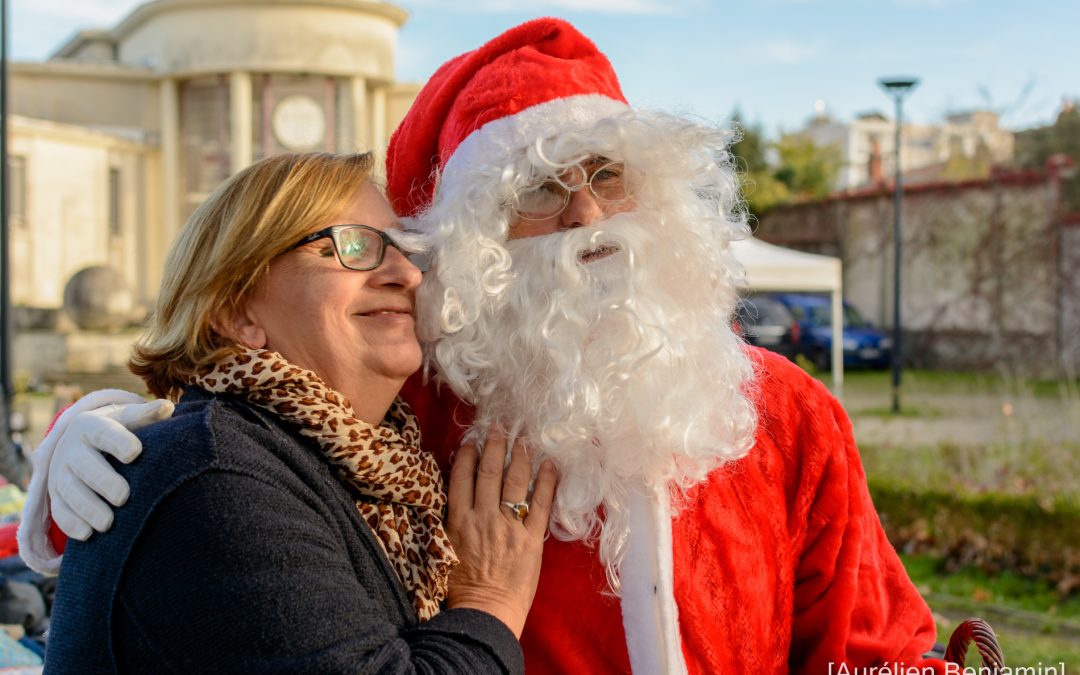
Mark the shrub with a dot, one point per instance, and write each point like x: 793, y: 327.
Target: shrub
x: 1032, y: 535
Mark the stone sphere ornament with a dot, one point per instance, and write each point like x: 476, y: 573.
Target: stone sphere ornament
x: 97, y: 298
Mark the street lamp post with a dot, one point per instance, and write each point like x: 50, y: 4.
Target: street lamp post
x: 897, y: 87
x: 8, y: 457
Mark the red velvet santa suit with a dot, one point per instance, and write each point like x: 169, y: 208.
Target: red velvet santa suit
x: 780, y: 562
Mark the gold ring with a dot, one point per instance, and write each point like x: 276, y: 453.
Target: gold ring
x: 519, y: 509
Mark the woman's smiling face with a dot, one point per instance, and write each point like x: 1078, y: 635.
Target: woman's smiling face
x: 351, y: 328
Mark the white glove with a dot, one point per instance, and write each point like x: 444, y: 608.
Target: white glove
x: 99, y: 422
x: 78, y: 473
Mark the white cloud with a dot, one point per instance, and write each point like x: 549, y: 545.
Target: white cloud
x: 626, y: 6
x: 38, y: 27
x: 584, y: 6
x: 929, y: 4
x: 790, y: 52
x: 981, y: 50
x: 92, y: 13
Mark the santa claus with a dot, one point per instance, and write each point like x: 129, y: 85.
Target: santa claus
x: 712, y: 514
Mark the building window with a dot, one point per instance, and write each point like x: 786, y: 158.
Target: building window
x: 114, y: 202
x: 205, y: 138
x: 294, y: 113
x: 17, y: 189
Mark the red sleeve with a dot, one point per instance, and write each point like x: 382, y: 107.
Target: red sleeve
x: 56, y: 536
x: 853, y: 601
x: 9, y: 544
x: 443, y: 417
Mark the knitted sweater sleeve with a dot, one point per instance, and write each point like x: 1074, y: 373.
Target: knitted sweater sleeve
x: 853, y: 600
x: 232, y: 573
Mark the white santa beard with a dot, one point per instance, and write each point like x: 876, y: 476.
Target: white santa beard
x: 623, y: 370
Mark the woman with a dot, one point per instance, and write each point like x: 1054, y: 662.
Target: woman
x: 285, y: 518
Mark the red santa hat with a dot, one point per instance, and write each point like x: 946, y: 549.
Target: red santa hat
x: 533, y: 81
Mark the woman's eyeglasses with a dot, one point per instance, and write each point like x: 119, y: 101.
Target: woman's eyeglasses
x: 358, y: 247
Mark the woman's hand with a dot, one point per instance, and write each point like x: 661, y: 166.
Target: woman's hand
x: 499, y: 550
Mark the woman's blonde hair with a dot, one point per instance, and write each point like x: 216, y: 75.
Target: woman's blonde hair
x: 224, y: 250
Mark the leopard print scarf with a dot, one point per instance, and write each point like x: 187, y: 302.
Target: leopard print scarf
x: 398, y: 488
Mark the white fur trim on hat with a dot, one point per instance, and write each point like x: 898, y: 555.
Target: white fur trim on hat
x: 498, y: 141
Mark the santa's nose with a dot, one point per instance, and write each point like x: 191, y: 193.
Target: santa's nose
x: 583, y: 209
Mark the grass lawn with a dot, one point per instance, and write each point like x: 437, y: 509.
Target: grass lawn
x: 1029, y: 650
x: 1033, y: 625
x: 1027, y: 467
x: 943, y: 383
x: 1005, y: 589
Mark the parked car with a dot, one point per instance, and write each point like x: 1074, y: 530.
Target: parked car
x: 765, y: 322
x: 864, y: 345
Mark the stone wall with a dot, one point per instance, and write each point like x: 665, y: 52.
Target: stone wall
x: 986, y: 272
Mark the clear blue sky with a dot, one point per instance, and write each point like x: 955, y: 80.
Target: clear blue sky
x: 773, y: 59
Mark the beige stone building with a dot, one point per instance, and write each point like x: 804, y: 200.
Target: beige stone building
x: 867, y: 146
x: 120, y: 134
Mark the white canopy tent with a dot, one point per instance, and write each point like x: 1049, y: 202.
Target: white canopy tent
x: 774, y: 268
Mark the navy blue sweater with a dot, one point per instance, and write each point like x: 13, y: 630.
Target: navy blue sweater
x: 240, y: 552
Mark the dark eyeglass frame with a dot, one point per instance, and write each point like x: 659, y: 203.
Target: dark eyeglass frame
x: 334, y: 231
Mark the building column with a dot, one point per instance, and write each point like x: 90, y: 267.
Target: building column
x: 170, y: 159
x: 378, y: 137
x: 240, y: 120
x: 360, y: 134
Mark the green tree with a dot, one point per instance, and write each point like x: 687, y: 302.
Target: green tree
x: 809, y: 171
x: 960, y: 166
x: 776, y: 173
x: 1035, y: 146
x: 752, y: 145
x: 759, y: 186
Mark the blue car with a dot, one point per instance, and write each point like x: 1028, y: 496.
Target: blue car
x: 864, y: 345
